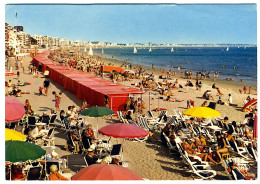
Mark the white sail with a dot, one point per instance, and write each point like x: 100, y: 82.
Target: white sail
x: 172, y: 50
x: 90, y: 52
x: 150, y: 50
x: 227, y: 49
x: 135, y: 50
x: 102, y: 51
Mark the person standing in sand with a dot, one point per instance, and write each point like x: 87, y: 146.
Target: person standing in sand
x: 245, y: 89
x: 250, y: 91
x: 46, y: 85
x: 230, y: 100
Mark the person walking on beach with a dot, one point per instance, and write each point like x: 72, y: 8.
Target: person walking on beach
x: 46, y: 85
x: 57, y: 101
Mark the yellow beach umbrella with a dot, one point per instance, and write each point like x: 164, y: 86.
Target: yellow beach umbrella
x: 14, y: 135
x: 201, y: 112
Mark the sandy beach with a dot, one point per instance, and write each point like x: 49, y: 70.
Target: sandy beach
x: 148, y: 159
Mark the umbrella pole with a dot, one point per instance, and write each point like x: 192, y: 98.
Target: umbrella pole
x: 97, y: 127
x: 11, y: 171
x: 122, y: 150
x: 45, y: 166
x: 149, y: 100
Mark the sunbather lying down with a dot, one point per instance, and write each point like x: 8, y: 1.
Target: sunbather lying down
x: 171, y: 99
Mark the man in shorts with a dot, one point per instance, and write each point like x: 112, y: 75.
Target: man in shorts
x: 46, y: 85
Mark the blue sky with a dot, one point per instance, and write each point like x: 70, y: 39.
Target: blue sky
x: 187, y: 24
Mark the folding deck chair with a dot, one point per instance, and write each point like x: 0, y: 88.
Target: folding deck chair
x: 240, y: 150
x: 34, y: 173
x: 251, y: 152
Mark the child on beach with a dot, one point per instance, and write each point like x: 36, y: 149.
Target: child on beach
x: 57, y: 101
x: 40, y: 90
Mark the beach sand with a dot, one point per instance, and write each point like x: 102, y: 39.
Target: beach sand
x: 148, y: 159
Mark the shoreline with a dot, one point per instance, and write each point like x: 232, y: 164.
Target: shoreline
x: 233, y: 86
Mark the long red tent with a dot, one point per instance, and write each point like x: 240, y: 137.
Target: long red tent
x: 85, y: 85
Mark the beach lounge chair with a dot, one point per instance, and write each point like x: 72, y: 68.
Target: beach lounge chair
x: 46, y: 119
x: 67, y: 126
x: 172, y: 148
x: 220, y: 124
x: 104, y: 145
x: 151, y: 114
x: 239, y: 150
x: 172, y: 120
x: 31, y: 121
x: 251, y: 152
x: 71, y: 145
x: 179, y: 115
x: 198, y: 168
x: 34, y: 173
x: 52, y: 120
x: 85, y: 161
x: 116, y: 151
x: 120, y: 115
x: 62, y: 118
x: 151, y: 127
x: 202, y: 173
x: 162, y: 113
x: 49, y: 138
x: 191, y: 159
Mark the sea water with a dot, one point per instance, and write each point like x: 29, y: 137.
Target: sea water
x: 237, y: 63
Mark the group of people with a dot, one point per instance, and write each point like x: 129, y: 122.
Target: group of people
x: 200, y: 145
x: 134, y: 105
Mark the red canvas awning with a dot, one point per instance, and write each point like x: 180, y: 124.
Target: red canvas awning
x: 87, y: 86
x: 112, y: 69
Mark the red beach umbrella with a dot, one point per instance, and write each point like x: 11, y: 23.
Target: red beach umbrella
x: 14, y: 109
x: 122, y: 130
x: 255, y: 127
x: 249, y: 104
x: 105, y: 172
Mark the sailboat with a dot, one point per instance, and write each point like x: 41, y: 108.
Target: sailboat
x: 102, y: 52
x: 150, y: 50
x: 135, y: 50
x: 172, y: 50
x: 227, y: 49
x: 90, y: 52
